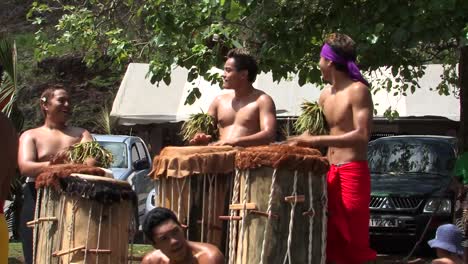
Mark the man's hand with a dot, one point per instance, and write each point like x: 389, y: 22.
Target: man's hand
x: 60, y: 158
x: 200, y: 139
x: 304, y: 140
x: 229, y: 142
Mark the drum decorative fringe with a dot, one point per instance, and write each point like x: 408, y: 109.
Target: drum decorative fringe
x: 87, y: 219
x: 281, y: 214
x: 185, y: 161
x: 282, y: 157
x: 51, y: 175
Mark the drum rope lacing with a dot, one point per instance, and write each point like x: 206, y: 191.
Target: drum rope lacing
x: 324, y: 219
x: 287, y: 256
x: 71, y: 230
x: 87, y: 234
x: 210, y: 201
x: 311, y: 218
x: 233, y: 224
x: 189, y: 205
x: 172, y: 195
x: 36, y: 228
x: 203, y: 210
x: 179, y: 200
x: 267, y: 224
x: 110, y: 234
x: 244, y: 210
x: 99, y: 234
x: 60, y: 223
x: 49, y: 227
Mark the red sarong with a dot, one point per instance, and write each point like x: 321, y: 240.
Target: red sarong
x: 348, y: 213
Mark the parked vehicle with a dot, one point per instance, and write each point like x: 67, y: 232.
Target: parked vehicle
x: 410, y: 185
x: 132, y: 163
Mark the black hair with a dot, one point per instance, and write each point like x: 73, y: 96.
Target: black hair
x: 243, y: 60
x: 156, y: 217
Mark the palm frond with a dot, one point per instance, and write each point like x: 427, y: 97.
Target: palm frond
x: 104, y: 122
x: 8, y: 85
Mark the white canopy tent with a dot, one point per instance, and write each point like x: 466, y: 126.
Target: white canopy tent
x: 140, y: 102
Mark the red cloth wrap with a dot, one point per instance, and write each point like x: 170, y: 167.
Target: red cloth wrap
x: 348, y: 213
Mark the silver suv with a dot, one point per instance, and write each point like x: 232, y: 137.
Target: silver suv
x: 132, y: 163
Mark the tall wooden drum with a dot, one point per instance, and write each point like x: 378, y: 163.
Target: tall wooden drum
x: 278, y: 207
x: 81, y: 218
x: 194, y: 182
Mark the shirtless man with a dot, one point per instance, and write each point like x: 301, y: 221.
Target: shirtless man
x: 163, y: 229
x: 39, y: 145
x: 8, y: 164
x: 348, y: 108
x: 247, y: 116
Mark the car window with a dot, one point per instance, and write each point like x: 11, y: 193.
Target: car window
x: 135, y: 154
x: 410, y: 155
x: 119, y: 153
x: 141, y: 151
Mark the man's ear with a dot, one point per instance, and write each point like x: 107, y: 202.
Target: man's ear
x: 244, y: 74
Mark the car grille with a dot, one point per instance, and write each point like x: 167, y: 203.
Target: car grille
x: 398, y: 203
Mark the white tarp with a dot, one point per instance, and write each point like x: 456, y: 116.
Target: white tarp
x: 140, y: 102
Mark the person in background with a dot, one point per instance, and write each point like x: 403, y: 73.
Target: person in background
x: 38, y: 146
x: 8, y: 165
x: 448, y: 245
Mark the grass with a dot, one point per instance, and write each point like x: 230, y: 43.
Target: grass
x: 15, y: 252
x: 139, y: 250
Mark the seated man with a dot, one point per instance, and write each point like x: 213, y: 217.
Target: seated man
x: 163, y: 229
x: 247, y: 116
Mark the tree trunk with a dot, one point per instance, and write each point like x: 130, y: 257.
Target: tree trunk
x: 463, y: 75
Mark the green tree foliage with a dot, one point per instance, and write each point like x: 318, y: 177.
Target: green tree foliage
x: 286, y: 36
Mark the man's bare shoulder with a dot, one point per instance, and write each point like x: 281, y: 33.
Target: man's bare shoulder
x: 31, y: 133
x: 207, y: 253
x: 78, y: 130
x: 324, y: 95
x: 155, y: 257
x: 359, y: 93
x: 443, y: 261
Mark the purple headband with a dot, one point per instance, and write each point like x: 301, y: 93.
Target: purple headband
x: 354, y: 72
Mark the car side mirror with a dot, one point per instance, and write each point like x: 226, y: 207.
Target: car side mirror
x: 141, y: 164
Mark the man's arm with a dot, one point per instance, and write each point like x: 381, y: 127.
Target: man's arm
x: 267, y: 117
x: 27, y: 156
x: 8, y: 155
x: 362, y: 107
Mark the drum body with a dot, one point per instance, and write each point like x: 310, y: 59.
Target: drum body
x: 278, y: 215
x: 88, y: 220
x: 194, y: 182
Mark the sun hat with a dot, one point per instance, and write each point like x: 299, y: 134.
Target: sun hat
x: 448, y: 237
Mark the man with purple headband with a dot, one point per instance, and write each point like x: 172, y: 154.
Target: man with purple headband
x: 348, y: 109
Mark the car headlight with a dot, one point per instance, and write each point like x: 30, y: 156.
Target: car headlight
x: 443, y: 206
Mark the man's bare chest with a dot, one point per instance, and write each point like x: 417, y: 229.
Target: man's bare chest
x: 337, y: 110
x: 49, y: 145
x: 245, y: 116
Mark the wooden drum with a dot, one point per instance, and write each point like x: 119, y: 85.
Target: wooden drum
x: 194, y: 182
x: 278, y: 207
x: 82, y: 218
